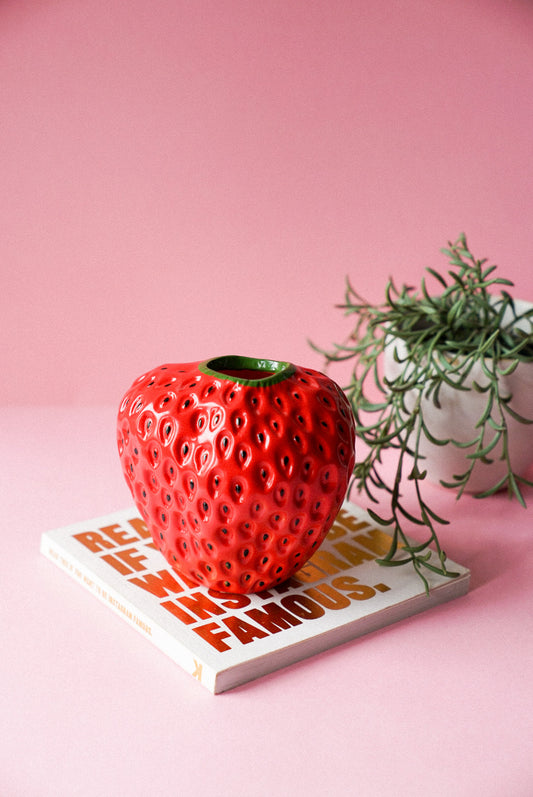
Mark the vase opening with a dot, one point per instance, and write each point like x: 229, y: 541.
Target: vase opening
x: 246, y: 373
x: 247, y: 370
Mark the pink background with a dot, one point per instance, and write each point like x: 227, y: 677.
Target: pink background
x: 187, y: 179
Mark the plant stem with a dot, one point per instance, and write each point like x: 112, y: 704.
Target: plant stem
x: 445, y: 337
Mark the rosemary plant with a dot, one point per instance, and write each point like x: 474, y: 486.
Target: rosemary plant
x: 445, y: 335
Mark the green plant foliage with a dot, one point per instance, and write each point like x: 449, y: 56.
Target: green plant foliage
x: 446, y: 334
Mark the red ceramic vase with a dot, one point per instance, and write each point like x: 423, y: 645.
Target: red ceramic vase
x: 238, y: 466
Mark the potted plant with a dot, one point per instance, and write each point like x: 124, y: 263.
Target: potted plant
x: 445, y: 381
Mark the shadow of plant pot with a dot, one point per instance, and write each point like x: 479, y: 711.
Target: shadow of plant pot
x: 458, y: 414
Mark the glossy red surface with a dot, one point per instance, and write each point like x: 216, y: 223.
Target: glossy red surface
x: 238, y: 482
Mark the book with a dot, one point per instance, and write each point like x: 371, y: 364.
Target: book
x: 224, y: 640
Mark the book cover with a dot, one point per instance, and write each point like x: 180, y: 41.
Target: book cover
x: 224, y: 640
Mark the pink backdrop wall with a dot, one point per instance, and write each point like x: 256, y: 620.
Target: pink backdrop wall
x: 185, y: 179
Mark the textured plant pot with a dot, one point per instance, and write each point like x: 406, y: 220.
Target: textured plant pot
x: 457, y: 417
x: 238, y: 466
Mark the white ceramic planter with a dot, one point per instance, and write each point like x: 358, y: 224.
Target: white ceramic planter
x: 457, y: 417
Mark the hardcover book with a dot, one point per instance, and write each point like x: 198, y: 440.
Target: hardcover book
x: 224, y: 640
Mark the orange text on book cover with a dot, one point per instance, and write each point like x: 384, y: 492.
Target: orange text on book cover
x: 225, y: 620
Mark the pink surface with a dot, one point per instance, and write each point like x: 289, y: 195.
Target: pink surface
x: 187, y: 179
x: 439, y: 704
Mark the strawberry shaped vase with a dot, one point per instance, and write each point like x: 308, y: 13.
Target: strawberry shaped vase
x: 238, y: 466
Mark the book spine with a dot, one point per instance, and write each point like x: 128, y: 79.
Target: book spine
x: 125, y: 609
